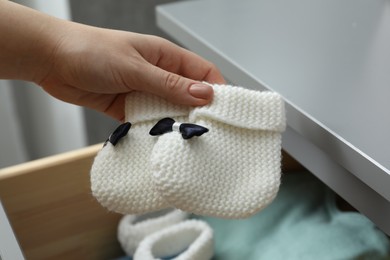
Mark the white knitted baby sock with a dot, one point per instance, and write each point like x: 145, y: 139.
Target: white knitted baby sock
x: 188, y: 240
x: 121, y: 177
x: 231, y: 171
x: 132, y: 229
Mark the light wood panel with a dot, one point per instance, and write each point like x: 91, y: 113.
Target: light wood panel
x: 52, y: 211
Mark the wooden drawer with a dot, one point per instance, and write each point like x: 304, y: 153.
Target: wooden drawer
x: 52, y: 211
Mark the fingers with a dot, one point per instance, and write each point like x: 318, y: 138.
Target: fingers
x: 175, y: 73
x: 185, y: 63
x: 170, y: 57
x: 110, y: 104
x: 175, y: 88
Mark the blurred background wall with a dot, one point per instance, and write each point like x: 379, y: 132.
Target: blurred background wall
x: 34, y: 124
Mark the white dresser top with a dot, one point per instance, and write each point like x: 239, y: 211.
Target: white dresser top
x: 330, y: 60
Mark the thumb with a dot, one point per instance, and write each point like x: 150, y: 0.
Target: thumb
x: 175, y: 88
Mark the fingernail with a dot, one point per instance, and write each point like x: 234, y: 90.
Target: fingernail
x: 201, y: 91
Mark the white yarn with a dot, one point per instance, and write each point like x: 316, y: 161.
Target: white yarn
x: 132, y: 229
x: 121, y: 177
x: 189, y: 240
x: 232, y: 171
x: 244, y: 108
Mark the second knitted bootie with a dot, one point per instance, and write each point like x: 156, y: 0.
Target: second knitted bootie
x: 233, y: 169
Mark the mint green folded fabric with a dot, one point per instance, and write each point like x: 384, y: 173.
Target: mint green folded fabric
x: 302, y: 223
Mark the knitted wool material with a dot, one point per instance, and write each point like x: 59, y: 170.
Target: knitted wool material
x: 132, y: 229
x: 121, y: 176
x: 232, y: 171
x: 188, y: 240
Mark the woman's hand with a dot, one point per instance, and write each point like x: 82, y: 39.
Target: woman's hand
x: 97, y: 67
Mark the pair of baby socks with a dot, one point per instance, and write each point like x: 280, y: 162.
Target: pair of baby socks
x: 220, y: 160
x: 166, y: 234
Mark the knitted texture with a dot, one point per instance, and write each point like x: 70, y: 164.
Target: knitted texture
x: 132, y: 229
x: 232, y: 171
x: 121, y: 177
x: 188, y: 240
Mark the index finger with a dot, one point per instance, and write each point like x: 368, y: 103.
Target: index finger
x: 170, y: 57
